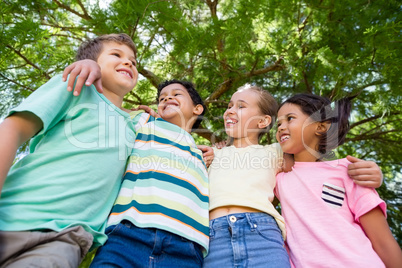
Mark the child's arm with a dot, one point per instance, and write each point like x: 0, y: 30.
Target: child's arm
x: 207, y: 154
x: 377, y: 230
x: 364, y: 173
x: 86, y: 70
x: 288, y: 162
x: 14, y: 131
x: 147, y: 109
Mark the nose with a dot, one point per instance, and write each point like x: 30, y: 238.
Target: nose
x: 230, y: 110
x: 167, y: 98
x: 128, y: 63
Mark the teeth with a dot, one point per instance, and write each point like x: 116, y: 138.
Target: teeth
x: 230, y: 121
x: 125, y: 73
x: 170, y: 105
x: 284, y: 138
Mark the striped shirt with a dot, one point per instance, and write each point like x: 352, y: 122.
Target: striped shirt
x: 166, y: 182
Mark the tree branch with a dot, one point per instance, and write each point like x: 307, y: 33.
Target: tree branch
x: 15, y: 82
x: 84, y: 16
x: 374, y: 136
x: 275, y: 67
x: 27, y: 60
x: 372, y: 119
x: 212, y: 7
x: 223, y: 87
x: 155, y: 80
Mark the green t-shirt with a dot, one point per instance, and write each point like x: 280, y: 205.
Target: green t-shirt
x: 75, y: 166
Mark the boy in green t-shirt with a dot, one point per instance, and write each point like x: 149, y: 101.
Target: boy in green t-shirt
x: 54, y: 202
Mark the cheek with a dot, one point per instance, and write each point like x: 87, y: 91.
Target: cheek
x: 277, y: 136
x: 159, y: 109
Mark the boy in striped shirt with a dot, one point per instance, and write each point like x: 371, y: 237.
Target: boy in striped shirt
x: 160, y: 217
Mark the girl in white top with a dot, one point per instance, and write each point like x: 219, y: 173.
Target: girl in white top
x: 245, y: 228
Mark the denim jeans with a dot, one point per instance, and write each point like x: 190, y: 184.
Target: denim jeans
x: 246, y: 240
x: 130, y: 246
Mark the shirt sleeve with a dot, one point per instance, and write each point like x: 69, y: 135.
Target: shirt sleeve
x: 279, y: 157
x: 361, y: 199
x: 139, y: 119
x: 49, y: 103
x: 279, y: 176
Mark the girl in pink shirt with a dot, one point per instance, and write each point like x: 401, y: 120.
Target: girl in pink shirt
x: 330, y: 221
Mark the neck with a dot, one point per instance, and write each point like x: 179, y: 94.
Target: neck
x: 245, y: 142
x: 184, y: 125
x: 305, y: 157
x: 113, y: 98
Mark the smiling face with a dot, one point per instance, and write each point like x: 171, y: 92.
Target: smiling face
x: 297, y: 133
x: 243, y: 118
x: 118, y: 69
x: 177, y: 107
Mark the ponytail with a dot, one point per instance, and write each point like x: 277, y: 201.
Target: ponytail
x: 339, y: 118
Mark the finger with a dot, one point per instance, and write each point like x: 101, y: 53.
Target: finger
x: 362, y: 177
x: 363, y: 165
x: 353, y: 159
x: 98, y: 85
x: 66, y: 72
x: 361, y: 171
x: 201, y: 147
x: 71, y: 79
x: 80, y: 82
x: 90, y: 79
x: 367, y: 183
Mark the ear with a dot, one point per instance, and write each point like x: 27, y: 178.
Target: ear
x: 265, y: 121
x: 322, y: 127
x: 198, y: 109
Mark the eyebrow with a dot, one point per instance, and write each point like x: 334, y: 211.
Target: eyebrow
x: 243, y: 101
x: 173, y: 89
x: 121, y: 51
x: 284, y: 116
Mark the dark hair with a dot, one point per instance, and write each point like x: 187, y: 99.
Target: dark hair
x: 320, y: 109
x: 195, y: 97
x: 266, y: 103
x: 92, y: 48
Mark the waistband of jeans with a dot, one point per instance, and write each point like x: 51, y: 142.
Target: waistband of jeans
x: 248, y: 216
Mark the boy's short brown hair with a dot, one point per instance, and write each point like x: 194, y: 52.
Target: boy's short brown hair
x: 91, y: 49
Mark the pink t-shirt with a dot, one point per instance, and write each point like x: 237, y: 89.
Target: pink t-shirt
x: 322, y: 206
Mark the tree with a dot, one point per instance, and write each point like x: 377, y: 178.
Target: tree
x: 332, y: 48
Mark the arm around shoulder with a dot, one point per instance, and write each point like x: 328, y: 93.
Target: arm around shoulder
x: 364, y: 173
x: 377, y: 230
x: 14, y: 131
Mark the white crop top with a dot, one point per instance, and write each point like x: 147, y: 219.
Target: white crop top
x: 246, y: 177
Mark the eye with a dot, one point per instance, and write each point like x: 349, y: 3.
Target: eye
x: 177, y: 94
x: 116, y: 54
x: 290, y: 117
x: 134, y: 63
x: 161, y: 99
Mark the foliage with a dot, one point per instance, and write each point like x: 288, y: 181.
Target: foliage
x: 332, y: 48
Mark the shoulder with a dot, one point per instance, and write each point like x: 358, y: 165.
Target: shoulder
x: 274, y: 147
x: 141, y: 118
x: 341, y: 164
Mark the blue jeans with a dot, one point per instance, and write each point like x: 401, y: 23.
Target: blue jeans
x: 246, y: 240
x: 131, y: 246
